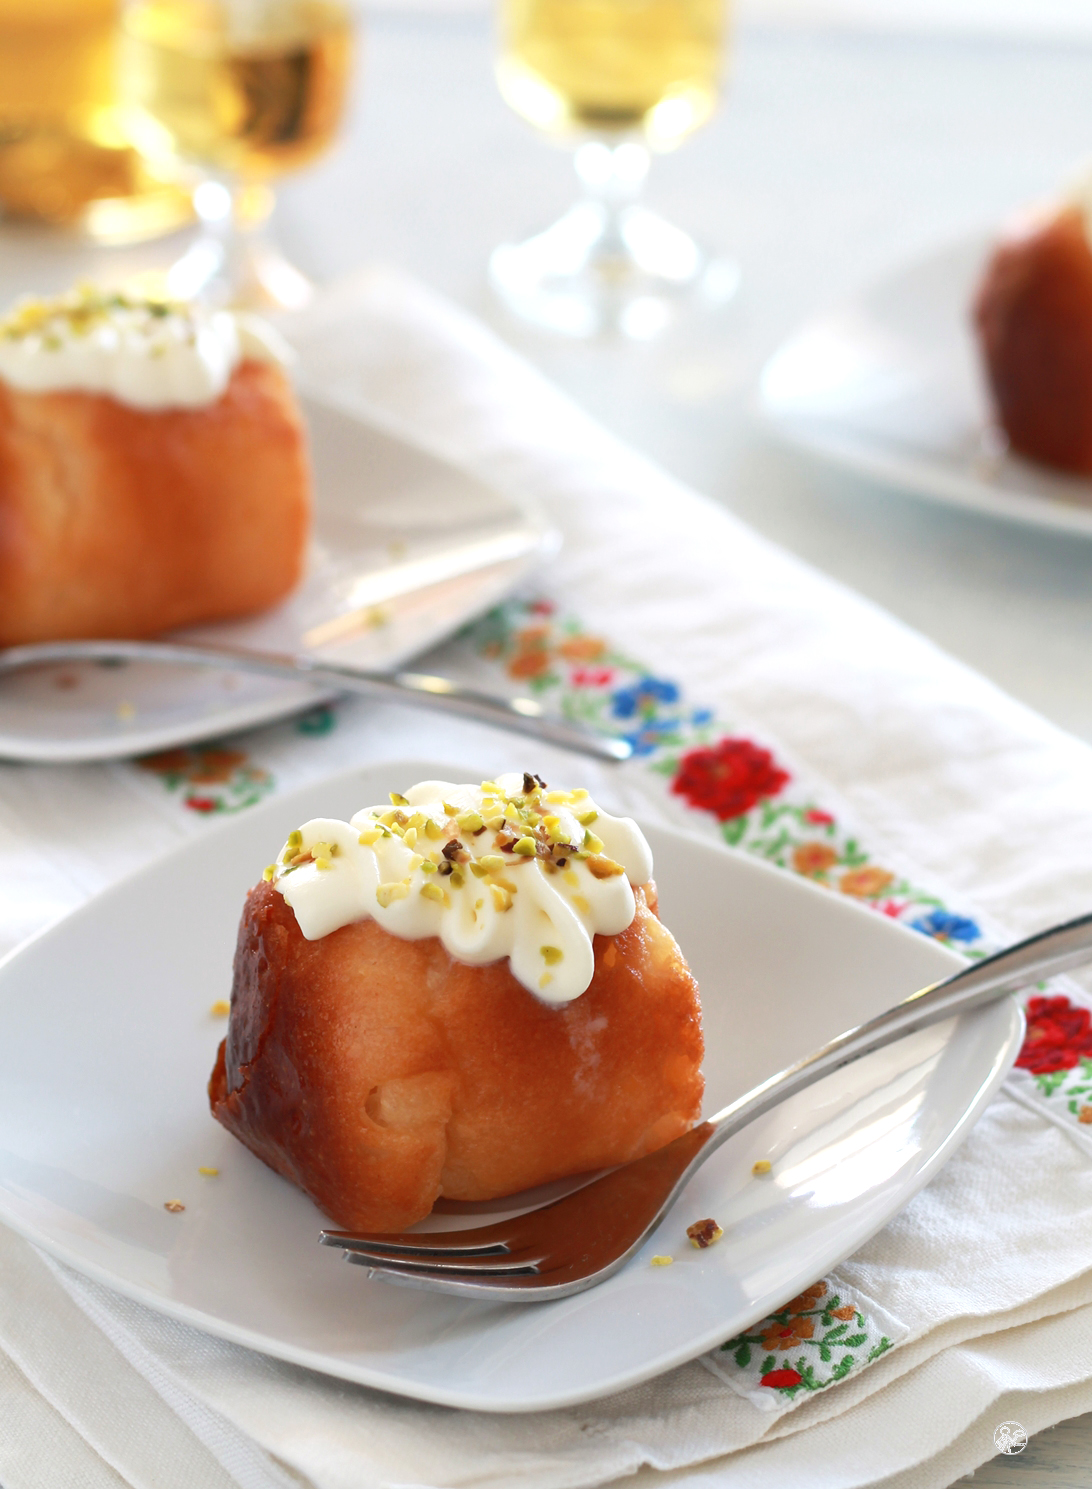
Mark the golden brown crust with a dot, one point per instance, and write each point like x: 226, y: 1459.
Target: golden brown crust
x: 117, y: 521
x: 378, y: 1074
x: 1034, y: 317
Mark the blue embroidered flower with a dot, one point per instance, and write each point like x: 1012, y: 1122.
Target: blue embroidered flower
x: 639, y: 700
x: 649, y: 738
x: 948, y: 927
x: 701, y: 716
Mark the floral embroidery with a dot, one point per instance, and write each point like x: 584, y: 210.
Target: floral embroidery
x: 727, y: 778
x: 1058, y: 1052
x: 320, y: 720
x: 815, y: 1340
x: 730, y: 781
x: 210, y: 778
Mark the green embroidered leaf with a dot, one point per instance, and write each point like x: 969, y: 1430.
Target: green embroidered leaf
x: 743, y: 1356
x: 854, y: 1341
x: 842, y: 1369
x: 880, y: 1349
x: 824, y: 1351
x: 767, y: 1365
x: 735, y: 830
x: 835, y: 1334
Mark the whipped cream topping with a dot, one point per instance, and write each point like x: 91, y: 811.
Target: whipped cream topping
x: 508, y: 869
x: 151, y: 354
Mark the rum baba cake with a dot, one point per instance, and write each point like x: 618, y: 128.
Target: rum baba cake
x: 1033, y: 315
x: 465, y: 993
x: 153, y: 468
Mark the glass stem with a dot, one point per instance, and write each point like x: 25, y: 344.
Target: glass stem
x: 612, y: 177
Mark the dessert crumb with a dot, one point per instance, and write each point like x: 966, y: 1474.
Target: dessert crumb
x: 704, y: 1233
x: 175, y: 1206
x: 126, y: 712
x: 209, y: 1173
x: 220, y: 1009
x: 763, y: 1166
x: 662, y: 1261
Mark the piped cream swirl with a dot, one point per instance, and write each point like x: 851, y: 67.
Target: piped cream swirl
x: 508, y: 869
x: 151, y: 354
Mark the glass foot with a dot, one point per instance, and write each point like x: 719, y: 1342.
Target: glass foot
x: 581, y: 279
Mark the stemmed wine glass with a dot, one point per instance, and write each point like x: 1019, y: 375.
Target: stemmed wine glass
x: 235, y: 93
x: 618, y: 79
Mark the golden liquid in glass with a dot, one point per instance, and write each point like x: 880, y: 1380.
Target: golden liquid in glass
x: 64, y: 156
x: 612, y: 66
x: 253, y: 91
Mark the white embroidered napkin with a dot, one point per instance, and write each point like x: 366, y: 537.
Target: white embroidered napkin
x: 858, y: 754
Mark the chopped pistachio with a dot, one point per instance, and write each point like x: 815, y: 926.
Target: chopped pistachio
x: 490, y: 786
x: 662, y: 1261
x: 469, y: 821
x: 432, y: 891
x: 525, y: 848
x: 369, y: 836
x: 562, y: 797
x: 428, y: 866
x: 433, y: 830
x: 409, y: 837
x: 551, y: 955
x: 592, y: 843
x: 580, y: 795
x: 269, y: 871
x: 418, y: 820
x: 761, y: 1166
x: 586, y: 818
x: 604, y: 868
x: 398, y: 800
x: 416, y: 862
x: 386, y: 893
x: 502, y: 900
x: 492, y: 863
x: 458, y: 878
x: 477, y: 869
x: 323, y: 863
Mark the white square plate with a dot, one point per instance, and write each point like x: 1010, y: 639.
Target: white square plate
x: 108, y: 1045
x: 389, y: 515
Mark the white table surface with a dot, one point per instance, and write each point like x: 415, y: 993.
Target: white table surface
x: 836, y: 154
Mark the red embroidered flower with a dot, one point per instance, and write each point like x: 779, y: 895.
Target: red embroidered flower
x: 1059, y: 1034
x: 728, y: 778
x: 592, y: 677
x: 542, y: 607
x: 202, y: 803
x: 817, y: 818
x: 780, y: 1378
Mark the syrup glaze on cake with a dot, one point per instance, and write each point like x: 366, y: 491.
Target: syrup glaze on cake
x: 378, y: 1071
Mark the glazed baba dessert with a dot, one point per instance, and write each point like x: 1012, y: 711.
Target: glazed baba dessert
x: 1033, y: 314
x: 153, y: 468
x: 464, y: 993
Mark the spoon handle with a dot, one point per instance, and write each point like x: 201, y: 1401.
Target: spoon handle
x: 524, y: 715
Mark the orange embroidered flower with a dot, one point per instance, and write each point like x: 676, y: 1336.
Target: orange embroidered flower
x: 168, y: 762
x: 788, y: 1335
x: 865, y: 883
x: 214, y: 767
x: 582, y: 648
x: 845, y: 1313
x: 813, y: 858
x: 532, y: 656
x: 1085, y: 1114
x: 807, y: 1299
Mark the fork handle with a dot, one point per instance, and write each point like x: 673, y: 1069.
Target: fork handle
x: 1045, y: 954
x: 524, y: 715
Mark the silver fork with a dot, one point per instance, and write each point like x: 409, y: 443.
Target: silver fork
x: 582, y: 1239
x: 524, y: 715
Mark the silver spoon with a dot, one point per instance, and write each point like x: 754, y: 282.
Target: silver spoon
x: 523, y: 715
